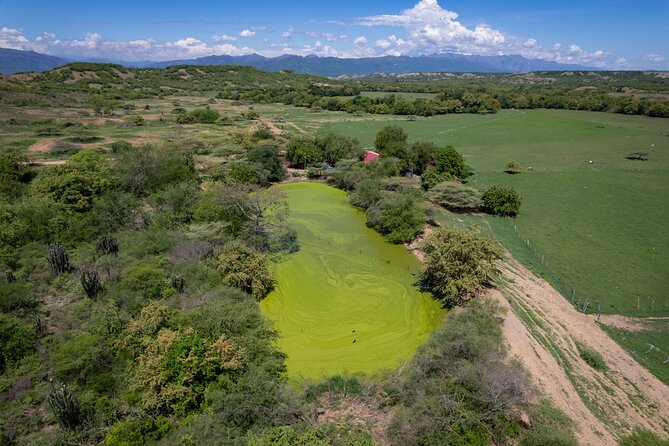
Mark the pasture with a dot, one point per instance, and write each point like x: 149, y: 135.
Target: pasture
x: 345, y: 303
x: 596, y: 231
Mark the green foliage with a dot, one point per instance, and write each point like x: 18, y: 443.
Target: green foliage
x: 458, y: 389
x: 450, y: 162
x: 17, y: 339
x: 642, y: 437
x: 246, y: 269
x: 288, y: 436
x: 366, y: 193
x: 500, y: 200
x: 458, y: 264
x: 512, y: 167
x: 334, y: 384
x: 302, y: 151
x: 455, y: 196
x: 243, y: 172
x: 76, y: 183
x: 549, y: 426
x: 268, y: 159
x: 146, y: 278
x: 137, y: 432
x: 424, y: 154
x: 431, y: 177
x: 391, y: 141
x: 262, y: 132
x: 336, y: 147
x: 199, y: 116
x: 591, y: 357
x: 13, y: 174
x: 396, y: 216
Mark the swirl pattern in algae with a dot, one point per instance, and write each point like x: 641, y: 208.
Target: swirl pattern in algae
x: 345, y: 303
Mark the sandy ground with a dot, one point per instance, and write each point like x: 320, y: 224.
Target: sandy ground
x: 613, y: 402
x: 43, y: 145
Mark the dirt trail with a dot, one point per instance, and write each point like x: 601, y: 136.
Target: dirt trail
x: 542, y: 331
x: 272, y: 127
x: 43, y: 145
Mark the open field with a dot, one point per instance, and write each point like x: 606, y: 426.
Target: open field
x: 596, y: 231
x: 346, y: 301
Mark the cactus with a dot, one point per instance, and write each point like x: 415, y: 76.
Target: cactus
x: 90, y: 281
x: 108, y: 245
x: 65, y: 407
x: 178, y: 283
x: 58, y: 259
x: 10, y: 277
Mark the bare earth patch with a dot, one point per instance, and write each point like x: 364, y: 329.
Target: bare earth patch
x: 42, y: 146
x: 604, y: 404
x: 355, y: 411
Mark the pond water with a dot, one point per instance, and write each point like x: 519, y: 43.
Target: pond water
x: 345, y: 303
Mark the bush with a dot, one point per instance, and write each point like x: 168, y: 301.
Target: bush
x: 456, y: 196
x: 365, y: 193
x: 246, y: 269
x: 137, y: 432
x: 17, y: 339
x: 268, y: 159
x: 262, y: 133
x: 499, y: 200
x: 396, y: 216
x: 431, y: 177
x: 591, y: 357
x: 458, y: 264
x: 512, y: 167
x: 146, y: 278
x: 334, y: 384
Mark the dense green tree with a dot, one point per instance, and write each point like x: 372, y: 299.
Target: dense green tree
x: 335, y: 147
x: 450, y: 162
x: 301, y: 151
x: 17, y: 339
x: 455, y: 196
x: 458, y: 264
x: 268, y: 158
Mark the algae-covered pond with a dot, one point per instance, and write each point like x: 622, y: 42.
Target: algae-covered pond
x: 346, y: 302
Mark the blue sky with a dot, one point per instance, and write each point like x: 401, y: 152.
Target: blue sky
x: 613, y: 34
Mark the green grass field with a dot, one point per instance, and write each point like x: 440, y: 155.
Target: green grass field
x: 345, y: 303
x: 601, y: 227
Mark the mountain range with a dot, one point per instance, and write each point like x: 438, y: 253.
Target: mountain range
x: 13, y: 61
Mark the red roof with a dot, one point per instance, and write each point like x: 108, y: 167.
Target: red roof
x: 370, y: 156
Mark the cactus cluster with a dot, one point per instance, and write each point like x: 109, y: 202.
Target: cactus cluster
x: 178, y: 283
x: 90, y: 281
x: 58, y: 259
x: 108, y: 244
x: 65, y: 407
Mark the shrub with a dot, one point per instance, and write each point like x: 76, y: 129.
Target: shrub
x: 396, y: 216
x: 458, y: 263
x: 17, y: 339
x: 499, y: 200
x: 137, y: 432
x: 455, y: 196
x: 146, y: 278
x: 512, y: 167
x: 431, y: 177
x: 246, y: 269
x: 334, y: 384
x: 262, y: 133
x: 205, y: 115
x: 268, y: 159
x: 365, y: 193
x: 591, y: 357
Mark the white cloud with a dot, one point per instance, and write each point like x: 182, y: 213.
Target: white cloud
x: 360, y: 41
x: 383, y: 44
x: 247, y: 33
x: 288, y: 33
x: 654, y: 58
x: 223, y: 38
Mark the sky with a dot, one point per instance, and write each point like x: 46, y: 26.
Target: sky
x: 616, y: 34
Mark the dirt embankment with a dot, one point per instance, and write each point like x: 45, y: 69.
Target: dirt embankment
x: 542, y: 329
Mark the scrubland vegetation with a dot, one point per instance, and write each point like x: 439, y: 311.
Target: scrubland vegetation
x: 139, y: 229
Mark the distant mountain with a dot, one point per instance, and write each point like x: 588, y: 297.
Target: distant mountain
x: 334, y: 66
x: 15, y: 61
x: 12, y: 61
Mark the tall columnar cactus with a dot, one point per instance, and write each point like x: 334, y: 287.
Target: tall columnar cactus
x: 178, y: 283
x: 90, y: 281
x: 58, y: 259
x: 65, y: 407
x: 107, y: 244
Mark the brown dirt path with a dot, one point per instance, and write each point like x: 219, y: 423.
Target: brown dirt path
x: 605, y: 405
